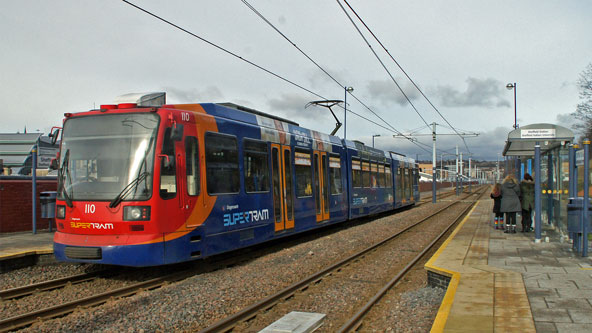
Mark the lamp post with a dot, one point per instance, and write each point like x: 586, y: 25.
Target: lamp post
x: 373, y: 136
x: 347, y: 90
x: 513, y: 86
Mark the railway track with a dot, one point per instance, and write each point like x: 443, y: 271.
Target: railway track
x: 442, y: 195
x: 20, y: 321
x: 18, y: 292
x: 247, y: 318
x: 354, y: 323
x: 27, y: 319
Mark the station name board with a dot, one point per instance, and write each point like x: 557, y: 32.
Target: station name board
x: 580, y: 157
x: 544, y: 133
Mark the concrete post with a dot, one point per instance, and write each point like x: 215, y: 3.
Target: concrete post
x: 586, y: 143
x: 537, y: 192
x: 34, y: 186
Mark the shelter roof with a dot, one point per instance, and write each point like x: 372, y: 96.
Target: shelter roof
x: 15, y: 147
x: 521, y: 141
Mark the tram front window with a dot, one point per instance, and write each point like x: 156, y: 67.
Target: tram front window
x: 103, y: 154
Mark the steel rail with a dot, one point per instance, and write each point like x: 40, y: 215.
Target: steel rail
x: 356, y: 320
x: 47, y: 285
x: 226, y: 324
x: 440, y: 195
x: 23, y: 320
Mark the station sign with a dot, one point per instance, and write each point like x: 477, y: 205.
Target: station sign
x: 45, y: 155
x: 543, y: 133
x: 580, y: 157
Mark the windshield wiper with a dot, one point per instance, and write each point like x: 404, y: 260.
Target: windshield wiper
x: 134, y: 183
x: 65, y: 169
x: 127, y: 189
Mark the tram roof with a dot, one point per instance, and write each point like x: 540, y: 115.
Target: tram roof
x: 521, y: 141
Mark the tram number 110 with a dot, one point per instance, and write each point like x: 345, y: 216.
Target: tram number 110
x: 89, y: 209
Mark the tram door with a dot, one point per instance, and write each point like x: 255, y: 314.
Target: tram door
x: 283, y: 191
x: 321, y: 183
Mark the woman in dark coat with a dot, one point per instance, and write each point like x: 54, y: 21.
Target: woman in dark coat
x: 510, y: 202
x: 527, y: 191
x: 496, y: 195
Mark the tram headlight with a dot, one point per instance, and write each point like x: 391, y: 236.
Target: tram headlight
x: 61, y: 212
x: 136, y: 213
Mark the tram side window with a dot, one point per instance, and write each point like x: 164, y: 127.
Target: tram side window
x: 366, y: 174
x: 408, y: 183
x: 192, y: 165
x: 356, y: 173
x: 374, y: 176
x: 256, y: 167
x: 222, y: 171
x: 168, y: 171
x: 399, y: 182
x: 303, y: 171
x: 335, y: 174
x: 381, y: 181
x: 389, y: 179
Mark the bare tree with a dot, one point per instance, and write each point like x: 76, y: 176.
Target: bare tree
x: 583, y: 111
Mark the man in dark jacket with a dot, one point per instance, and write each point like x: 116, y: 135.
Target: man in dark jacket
x: 510, y: 202
x: 527, y: 200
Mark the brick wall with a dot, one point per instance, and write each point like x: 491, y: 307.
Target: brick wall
x: 16, y: 206
x: 438, y: 280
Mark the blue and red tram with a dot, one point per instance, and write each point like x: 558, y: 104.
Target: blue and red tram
x: 146, y: 183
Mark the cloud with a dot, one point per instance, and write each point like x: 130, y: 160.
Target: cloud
x: 565, y: 120
x: 480, y: 92
x: 291, y: 106
x: 318, y: 79
x: 206, y: 95
x: 386, y: 92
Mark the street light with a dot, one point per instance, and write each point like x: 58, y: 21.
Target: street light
x: 513, y: 86
x: 347, y: 90
x: 373, y: 136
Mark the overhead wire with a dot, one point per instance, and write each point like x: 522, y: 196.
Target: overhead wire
x: 247, y: 61
x: 404, y: 72
x: 383, y: 65
x: 225, y: 50
x: 253, y: 9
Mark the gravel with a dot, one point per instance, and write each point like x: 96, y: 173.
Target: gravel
x: 200, y: 301
x: 414, y: 311
x: 39, y: 273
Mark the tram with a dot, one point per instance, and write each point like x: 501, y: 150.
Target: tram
x: 144, y: 183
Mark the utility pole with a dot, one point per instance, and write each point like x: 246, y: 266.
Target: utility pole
x: 434, y: 163
x: 456, y: 170
x: 470, y: 177
x: 497, y: 169
x: 461, y: 172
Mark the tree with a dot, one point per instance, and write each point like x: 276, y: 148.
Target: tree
x: 583, y: 111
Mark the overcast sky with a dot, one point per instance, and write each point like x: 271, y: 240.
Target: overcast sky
x: 71, y: 56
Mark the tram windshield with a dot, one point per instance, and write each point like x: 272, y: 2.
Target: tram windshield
x: 101, y: 155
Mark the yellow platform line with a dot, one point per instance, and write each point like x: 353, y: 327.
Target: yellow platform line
x: 25, y: 253
x: 448, y: 299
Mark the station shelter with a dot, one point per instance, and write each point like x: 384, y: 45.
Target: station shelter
x: 16, y: 152
x: 544, y: 147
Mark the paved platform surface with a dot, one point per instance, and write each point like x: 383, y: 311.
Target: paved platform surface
x: 18, y: 244
x: 507, y: 283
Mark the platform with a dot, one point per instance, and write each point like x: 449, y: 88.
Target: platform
x: 20, y: 249
x: 506, y: 283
